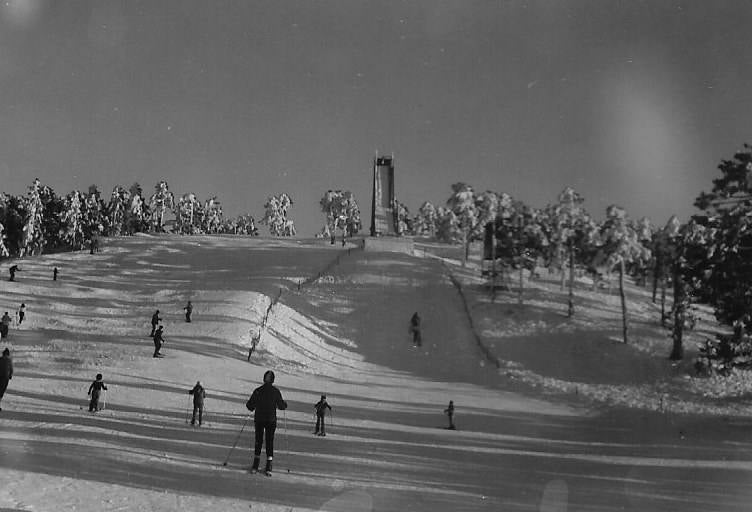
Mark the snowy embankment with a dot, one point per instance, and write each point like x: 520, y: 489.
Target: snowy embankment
x: 535, y: 343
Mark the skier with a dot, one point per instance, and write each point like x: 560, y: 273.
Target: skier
x: 415, y: 330
x: 320, y: 413
x: 254, y: 342
x: 154, y: 321
x: 13, y: 269
x: 5, y: 325
x: 54, y: 274
x: 94, y: 390
x: 21, y: 313
x: 188, y: 310
x: 158, y: 340
x: 6, y: 372
x: 449, y: 411
x: 265, y: 400
x: 199, y: 393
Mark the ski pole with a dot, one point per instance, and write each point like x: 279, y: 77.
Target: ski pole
x: 104, y: 399
x: 187, y: 409
x: 236, y: 441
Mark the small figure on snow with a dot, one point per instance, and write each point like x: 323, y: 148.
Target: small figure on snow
x: 158, y: 340
x: 21, y: 313
x: 254, y: 341
x: 199, y: 393
x: 12, y: 270
x: 5, y: 325
x: 449, y: 411
x: 188, y: 310
x: 155, y: 319
x: 94, y: 390
x: 320, y: 407
x: 54, y: 274
x: 415, y: 329
x: 6, y: 372
x: 265, y: 400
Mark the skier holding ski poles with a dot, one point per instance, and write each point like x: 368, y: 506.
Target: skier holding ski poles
x: 264, y: 402
x: 320, y: 413
x: 94, y: 390
x: 199, y: 394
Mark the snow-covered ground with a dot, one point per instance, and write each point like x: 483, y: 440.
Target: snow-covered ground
x: 545, y: 432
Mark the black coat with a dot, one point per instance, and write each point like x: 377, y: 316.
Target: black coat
x: 6, y: 368
x: 265, y: 401
x: 199, y: 394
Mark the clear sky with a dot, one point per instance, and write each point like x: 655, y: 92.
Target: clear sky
x: 629, y: 102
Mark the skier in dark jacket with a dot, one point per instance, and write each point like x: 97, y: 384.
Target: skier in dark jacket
x: 12, y: 270
x: 199, y: 394
x: 54, y: 274
x: 21, y: 313
x: 154, y: 321
x: 94, y: 390
x: 188, y: 310
x: 265, y: 400
x: 415, y: 329
x: 158, y: 340
x: 449, y: 411
x: 320, y: 413
x: 5, y: 325
x: 6, y: 372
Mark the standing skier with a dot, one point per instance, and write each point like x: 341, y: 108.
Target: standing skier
x: 12, y: 270
x: 415, y: 330
x: 254, y: 342
x: 320, y: 413
x: 265, y: 400
x: 154, y: 321
x: 188, y: 310
x: 199, y: 393
x: 449, y: 411
x: 21, y: 313
x: 94, y: 390
x: 158, y: 340
x: 6, y: 372
x: 54, y: 274
x: 5, y: 325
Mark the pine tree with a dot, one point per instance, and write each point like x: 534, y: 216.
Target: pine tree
x: 275, y: 215
x: 463, y: 206
x: 188, y: 214
x: 73, y: 221
x: 424, y: 223
x: 212, y: 215
x: 33, y: 237
x: 341, y: 211
x: 117, y: 210
x: 12, y: 215
x: 137, y: 219
x: 160, y: 202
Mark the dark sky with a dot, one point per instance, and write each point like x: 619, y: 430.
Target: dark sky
x: 629, y: 102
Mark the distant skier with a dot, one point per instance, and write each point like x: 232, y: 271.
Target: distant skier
x: 199, y: 393
x: 155, y: 319
x: 54, y: 274
x: 12, y: 270
x: 320, y: 407
x: 94, y: 390
x: 21, y: 313
x: 415, y: 330
x: 188, y: 310
x: 6, y: 372
x: 5, y: 325
x: 449, y: 411
x: 254, y: 342
x: 158, y: 340
x: 265, y: 400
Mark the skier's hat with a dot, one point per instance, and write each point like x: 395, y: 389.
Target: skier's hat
x: 99, y: 376
x: 269, y: 377
x: 323, y: 397
x: 6, y: 352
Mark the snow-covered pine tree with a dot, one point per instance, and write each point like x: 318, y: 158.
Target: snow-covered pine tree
x: 93, y: 214
x: 622, y: 247
x: 73, y: 221
x: 160, y: 202
x: 33, y: 233
x: 51, y: 219
x: 138, y: 211
x: 425, y: 221
x: 462, y: 204
x: 12, y: 215
x: 341, y: 212
x: 404, y: 222
x: 187, y: 214
x: 117, y: 210
x: 275, y: 215
x: 447, y: 226
x: 212, y: 215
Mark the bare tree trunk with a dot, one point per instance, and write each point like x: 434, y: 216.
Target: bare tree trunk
x: 570, y: 305
x: 625, y: 326
x: 656, y: 274
x: 677, y: 352
x: 519, y: 295
x: 663, y: 302
x: 466, y: 248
